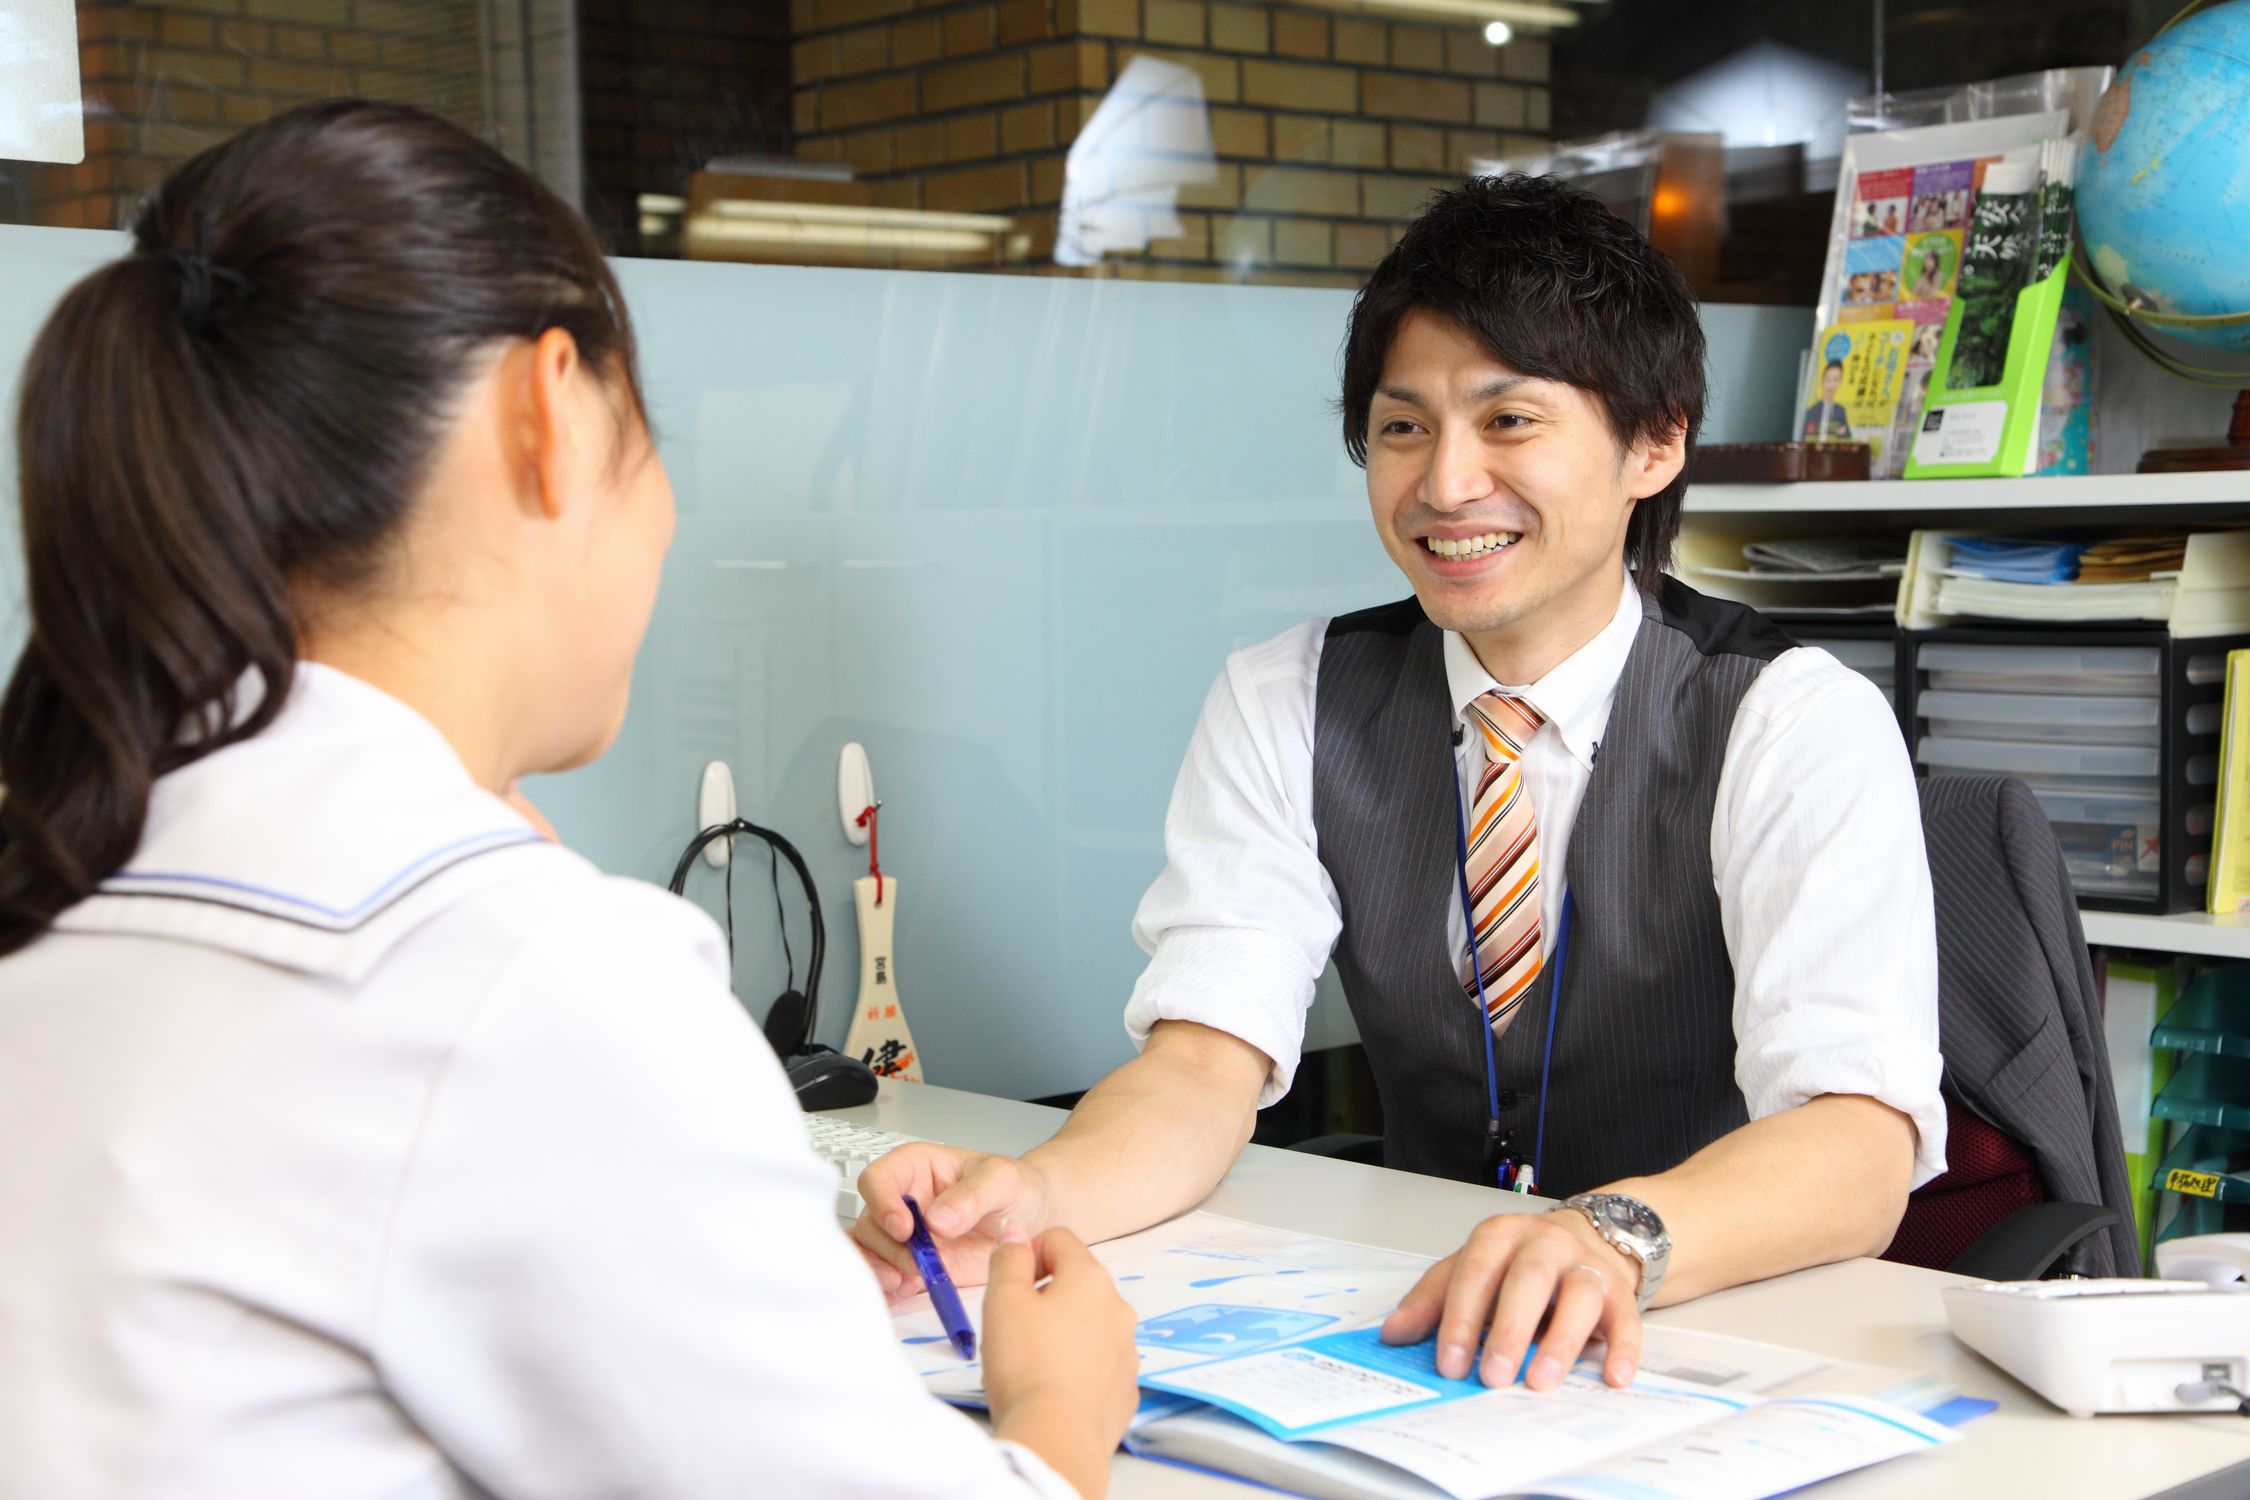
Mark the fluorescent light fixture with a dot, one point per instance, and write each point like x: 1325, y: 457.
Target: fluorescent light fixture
x: 853, y: 214
x: 1499, y: 33
x: 1532, y: 13
x: 780, y: 227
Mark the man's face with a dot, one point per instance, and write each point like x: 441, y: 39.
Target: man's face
x: 1502, y: 498
x: 1831, y: 381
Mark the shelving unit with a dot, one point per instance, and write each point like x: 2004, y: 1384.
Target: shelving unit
x: 2194, y: 932
x: 2060, y: 501
x: 2163, y: 496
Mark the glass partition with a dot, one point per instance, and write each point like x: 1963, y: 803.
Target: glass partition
x: 1002, y: 531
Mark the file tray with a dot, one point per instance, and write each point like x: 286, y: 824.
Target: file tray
x: 2212, y: 1016
x: 2210, y: 1171
x: 2086, y: 719
x: 2210, y: 595
x: 2070, y: 711
x: 2207, y: 1089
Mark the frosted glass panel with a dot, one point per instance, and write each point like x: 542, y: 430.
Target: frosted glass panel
x: 999, y: 530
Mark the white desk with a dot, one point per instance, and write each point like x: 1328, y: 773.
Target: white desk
x: 1864, y: 1310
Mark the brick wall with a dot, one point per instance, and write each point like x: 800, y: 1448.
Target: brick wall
x: 165, y: 78
x: 666, y: 85
x: 1330, y: 129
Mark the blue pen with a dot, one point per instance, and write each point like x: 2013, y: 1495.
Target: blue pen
x: 943, y: 1297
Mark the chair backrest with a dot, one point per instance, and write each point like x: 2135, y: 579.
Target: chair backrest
x: 1988, y: 1176
x: 2031, y: 1112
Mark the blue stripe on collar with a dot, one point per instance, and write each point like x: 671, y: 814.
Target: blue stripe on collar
x: 338, y: 917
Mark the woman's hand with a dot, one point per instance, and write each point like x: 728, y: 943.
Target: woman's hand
x: 967, y: 1198
x: 1060, y: 1370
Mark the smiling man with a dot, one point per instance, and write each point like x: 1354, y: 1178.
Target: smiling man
x: 1627, y: 892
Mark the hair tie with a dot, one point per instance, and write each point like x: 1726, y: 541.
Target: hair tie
x: 201, y: 279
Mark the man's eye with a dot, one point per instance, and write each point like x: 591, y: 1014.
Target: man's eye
x: 1399, y: 426
x: 1511, y: 419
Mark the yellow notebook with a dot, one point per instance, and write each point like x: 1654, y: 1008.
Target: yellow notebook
x: 2230, y: 831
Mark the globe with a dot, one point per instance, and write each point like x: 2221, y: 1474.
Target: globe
x: 2164, y: 177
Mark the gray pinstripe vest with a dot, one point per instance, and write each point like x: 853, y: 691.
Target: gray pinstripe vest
x: 1643, y: 1067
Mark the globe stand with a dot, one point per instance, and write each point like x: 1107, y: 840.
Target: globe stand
x: 2235, y: 455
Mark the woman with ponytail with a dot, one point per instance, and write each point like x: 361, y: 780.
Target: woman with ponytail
x: 355, y: 1139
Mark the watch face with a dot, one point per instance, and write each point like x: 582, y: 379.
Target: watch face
x: 1630, y: 1216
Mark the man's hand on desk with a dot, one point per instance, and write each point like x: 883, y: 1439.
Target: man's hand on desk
x: 969, y: 1198
x: 1516, y: 1269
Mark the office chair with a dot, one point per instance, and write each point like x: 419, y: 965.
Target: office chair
x: 2035, y: 1170
x: 2035, y: 1181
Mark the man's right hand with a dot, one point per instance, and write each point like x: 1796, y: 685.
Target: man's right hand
x: 966, y: 1199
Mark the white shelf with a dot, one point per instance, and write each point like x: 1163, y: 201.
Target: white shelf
x: 2187, y: 932
x: 2151, y: 492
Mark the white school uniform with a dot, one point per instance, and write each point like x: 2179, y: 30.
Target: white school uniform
x: 356, y: 1143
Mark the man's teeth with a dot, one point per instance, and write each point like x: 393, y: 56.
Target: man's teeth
x: 1469, y: 546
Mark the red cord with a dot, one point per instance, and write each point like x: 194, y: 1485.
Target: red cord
x: 867, y: 821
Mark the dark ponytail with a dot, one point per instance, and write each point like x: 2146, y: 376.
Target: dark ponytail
x: 246, y: 405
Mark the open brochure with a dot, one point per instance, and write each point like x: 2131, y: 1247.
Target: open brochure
x: 1260, y: 1358
x: 1201, y: 1286
x: 1344, y: 1416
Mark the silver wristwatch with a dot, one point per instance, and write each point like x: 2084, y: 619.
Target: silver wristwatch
x: 1631, y: 1228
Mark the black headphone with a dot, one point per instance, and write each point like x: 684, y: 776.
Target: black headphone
x: 790, y: 1023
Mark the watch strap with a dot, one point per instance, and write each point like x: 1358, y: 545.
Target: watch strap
x: 1644, y: 1288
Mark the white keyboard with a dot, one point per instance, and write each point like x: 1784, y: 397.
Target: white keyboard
x: 849, y: 1148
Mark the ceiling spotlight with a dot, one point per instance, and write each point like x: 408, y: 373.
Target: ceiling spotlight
x: 1499, y: 33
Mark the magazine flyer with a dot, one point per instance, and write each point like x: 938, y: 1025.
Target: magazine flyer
x: 1856, y: 385
x: 1903, y: 203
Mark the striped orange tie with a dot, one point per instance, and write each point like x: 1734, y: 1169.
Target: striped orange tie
x: 1503, y: 863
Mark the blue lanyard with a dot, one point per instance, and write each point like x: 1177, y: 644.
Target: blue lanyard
x: 1554, y: 992
x: 1547, y: 1057
x: 1484, y: 1015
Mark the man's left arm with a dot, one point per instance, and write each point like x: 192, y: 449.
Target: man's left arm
x: 1825, y: 896
x: 1824, y: 1181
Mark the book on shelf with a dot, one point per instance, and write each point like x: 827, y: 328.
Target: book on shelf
x: 2230, y: 831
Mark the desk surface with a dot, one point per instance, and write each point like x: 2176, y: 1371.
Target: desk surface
x: 1866, y: 1310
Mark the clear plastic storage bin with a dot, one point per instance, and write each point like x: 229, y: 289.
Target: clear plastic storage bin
x: 2027, y: 758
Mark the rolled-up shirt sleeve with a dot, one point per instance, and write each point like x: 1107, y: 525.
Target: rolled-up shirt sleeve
x: 1240, y: 923
x: 1824, y: 891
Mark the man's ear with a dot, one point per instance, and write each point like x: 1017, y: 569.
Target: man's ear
x: 549, y: 432
x: 1651, y: 464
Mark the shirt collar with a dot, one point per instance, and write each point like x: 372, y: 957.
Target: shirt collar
x: 1575, y: 696
x: 315, y: 844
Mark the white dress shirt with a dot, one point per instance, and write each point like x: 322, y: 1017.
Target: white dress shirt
x: 359, y: 1144
x: 1816, y: 853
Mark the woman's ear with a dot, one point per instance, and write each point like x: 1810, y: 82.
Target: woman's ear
x: 553, y: 415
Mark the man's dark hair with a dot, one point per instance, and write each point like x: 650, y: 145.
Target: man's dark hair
x: 1555, y: 286
x: 1835, y: 364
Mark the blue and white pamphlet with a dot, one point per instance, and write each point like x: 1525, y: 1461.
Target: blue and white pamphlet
x: 1260, y: 1357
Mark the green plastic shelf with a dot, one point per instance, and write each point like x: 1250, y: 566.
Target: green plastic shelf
x: 2212, y: 1015
x: 2207, y: 1089
x: 2209, y: 1162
